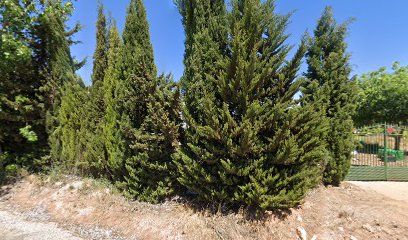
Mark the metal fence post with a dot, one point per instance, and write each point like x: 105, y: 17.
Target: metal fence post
x: 386, y: 151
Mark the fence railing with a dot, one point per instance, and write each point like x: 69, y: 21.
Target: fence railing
x: 381, y: 153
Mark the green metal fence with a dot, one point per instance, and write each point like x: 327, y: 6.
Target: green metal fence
x: 381, y: 154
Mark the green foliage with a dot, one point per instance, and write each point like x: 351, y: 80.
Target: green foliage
x: 94, y: 156
x: 61, y: 88
x: 137, y: 74
x: 11, y: 170
x: 101, y: 51
x: 383, y: 96
x: 27, y: 133
x: 93, y: 108
x: 151, y: 172
x: 65, y: 147
x: 22, y: 131
x: 207, y: 37
x: 329, y: 70
x: 137, y: 69
x: 250, y: 143
x: 149, y: 111
x: 54, y: 58
x: 232, y: 131
x: 111, y: 132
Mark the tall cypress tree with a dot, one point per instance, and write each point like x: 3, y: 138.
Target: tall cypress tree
x: 94, y: 156
x: 149, y: 110
x: 53, y: 54
x: 329, y: 70
x: 137, y: 74
x: 205, y: 26
x: 252, y: 144
x: 113, y: 143
x: 53, y: 58
x: 66, y: 139
x: 137, y: 68
x: 100, y: 56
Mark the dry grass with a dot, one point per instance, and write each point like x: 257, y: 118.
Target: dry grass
x: 328, y: 213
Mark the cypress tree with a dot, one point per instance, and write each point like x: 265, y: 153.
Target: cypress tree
x: 53, y: 58
x: 53, y: 54
x: 205, y: 26
x: 329, y: 70
x: 100, y: 56
x: 252, y: 144
x: 94, y: 156
x: 151, y: 172
x: 137, y: 68
x: 137, y: 74
x: 67, y: 135
x: 149, y: 108
x: 113, y: 143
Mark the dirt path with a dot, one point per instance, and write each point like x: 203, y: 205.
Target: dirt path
x: 16, y: 227
x: 394, y: 190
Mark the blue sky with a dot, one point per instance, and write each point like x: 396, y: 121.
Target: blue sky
x: 377, y: 38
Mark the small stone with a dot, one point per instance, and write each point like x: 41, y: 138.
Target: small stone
x: 299, y: 218
x: 302, y: 234
x: 353, y: 238
x: 58, y: 184
x: 341, y: 229
x: 368, y: 228
x: 314, y: 237
x: 269, y: 213
x: 386, y: 230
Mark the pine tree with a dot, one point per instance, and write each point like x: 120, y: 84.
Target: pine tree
x: 151, y: 172
x: 113, y: 142
x: 251, y: 144
x: 329, y: 70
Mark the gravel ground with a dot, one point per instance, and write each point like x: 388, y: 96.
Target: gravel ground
x: 16, y: 227
x: 394, y: 190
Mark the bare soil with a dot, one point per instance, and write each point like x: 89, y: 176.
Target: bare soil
x: 94, y: 211
x: 394, y: 190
